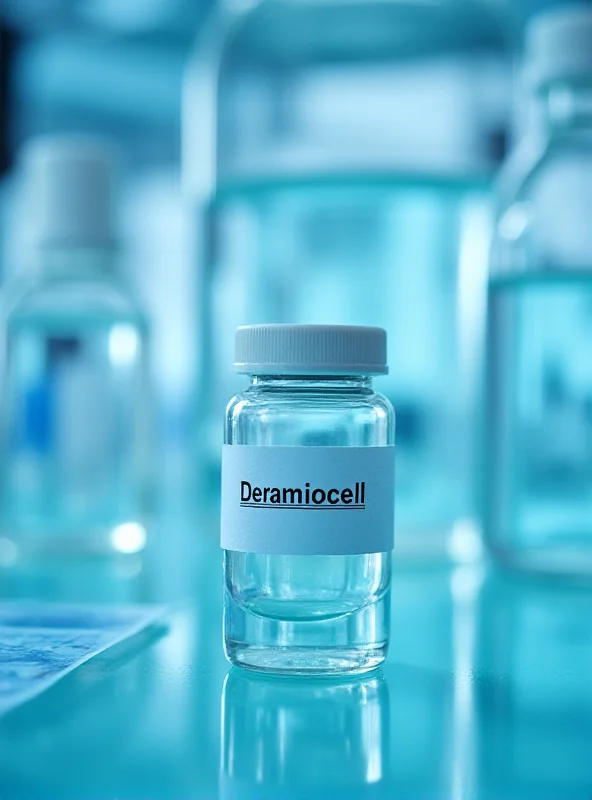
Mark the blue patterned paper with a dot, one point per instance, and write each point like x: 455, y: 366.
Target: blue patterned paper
x: 42, y: 642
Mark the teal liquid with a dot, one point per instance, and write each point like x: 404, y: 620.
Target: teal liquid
x: 539, y: 433
x: 75, y: 431
x: 404, y: 252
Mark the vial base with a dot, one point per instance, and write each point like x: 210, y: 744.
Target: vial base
x: 353, y: 643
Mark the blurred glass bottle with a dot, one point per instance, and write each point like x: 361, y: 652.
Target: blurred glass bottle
x: 74, y: 367
x: 337, y: 154
x: 282, y: 737
x: 538, y: 499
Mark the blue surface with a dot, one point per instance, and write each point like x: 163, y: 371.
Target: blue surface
x: 486, y: 694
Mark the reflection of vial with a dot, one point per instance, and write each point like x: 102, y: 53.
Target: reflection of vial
x: 285, y: 739
x: 75, y: 368
x: 307, y: 501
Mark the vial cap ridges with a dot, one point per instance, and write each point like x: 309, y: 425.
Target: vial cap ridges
x: 559, y: 44
x: 310, y: 349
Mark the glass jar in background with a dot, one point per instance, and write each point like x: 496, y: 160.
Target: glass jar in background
x: 538, y: 454
x: 304, y: 741
x: 338, y: 157
x: 75, y: 393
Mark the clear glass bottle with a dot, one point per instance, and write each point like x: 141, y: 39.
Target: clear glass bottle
x: 304, y: 740
x: 75, y: 400
x: 307, y: 583
x: 538, y: 453
x: 322, y: 195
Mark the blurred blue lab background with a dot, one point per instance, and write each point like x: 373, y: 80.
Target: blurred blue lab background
x: 112, y: 69
x: 486, y: 692
x: 336, y: 172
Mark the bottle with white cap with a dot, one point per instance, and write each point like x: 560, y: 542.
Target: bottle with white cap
x: 308, y: 501
x: 75, y: 393
x: 538, y: 453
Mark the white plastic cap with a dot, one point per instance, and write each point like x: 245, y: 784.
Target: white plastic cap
x: 559, y: 44
x: 314, y: 349
x: 68, y: 185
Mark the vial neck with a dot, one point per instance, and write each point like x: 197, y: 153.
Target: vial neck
x: 74, y: 262
x: 306, y: 382
x: 567, y: 107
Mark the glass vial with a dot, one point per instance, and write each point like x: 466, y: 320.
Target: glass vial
x: 308, y: 501
x: 539, y: 398
x: 74, y: 385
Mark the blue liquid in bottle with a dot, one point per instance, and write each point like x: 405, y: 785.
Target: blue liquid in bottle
x: 538, y: 455
x: 385, y: 250
x: 75, y: 417
x: 540, y: 429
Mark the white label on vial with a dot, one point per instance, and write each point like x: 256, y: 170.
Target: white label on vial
x: 308, y: 500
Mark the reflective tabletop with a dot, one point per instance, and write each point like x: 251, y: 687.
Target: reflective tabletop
x: 486, y: 693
